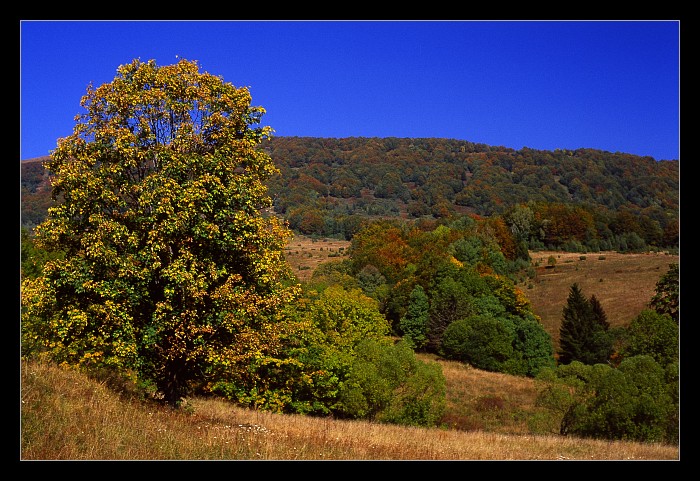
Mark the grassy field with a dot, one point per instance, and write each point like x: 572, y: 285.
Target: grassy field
x: 623, y: 283
x: 305, y: 254
x: 489, y: 416
x: 66, y: 416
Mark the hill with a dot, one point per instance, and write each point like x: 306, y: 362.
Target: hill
x: 66, y: 416
x: 623, y: 283
x: 328, y: 185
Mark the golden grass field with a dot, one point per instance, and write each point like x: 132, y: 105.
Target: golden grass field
x: 305, y: 254
x: 623, y: 283
x: 66, y: 416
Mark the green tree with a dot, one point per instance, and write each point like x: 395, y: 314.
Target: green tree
x: 388, y: 384
x: 414, y: 324
x: 652, y: 334
x: 171, y: 270
x: 583, y: 335
x: 480, y: 340
x: 666, y: 297
x: 631, y: 402
x: 345, y: 317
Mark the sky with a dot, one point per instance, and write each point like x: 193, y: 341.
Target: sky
x: 546, y: 85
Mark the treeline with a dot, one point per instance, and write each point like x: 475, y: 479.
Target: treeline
x: 624, y: 202
x: 580, y: 200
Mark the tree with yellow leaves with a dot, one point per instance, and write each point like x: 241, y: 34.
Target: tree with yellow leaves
x: 171, y: 269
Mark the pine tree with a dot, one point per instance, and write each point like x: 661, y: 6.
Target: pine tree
x: 598, y: 313
x: 583, y: 334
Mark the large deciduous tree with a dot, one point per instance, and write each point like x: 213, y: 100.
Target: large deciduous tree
x: 171, y: 268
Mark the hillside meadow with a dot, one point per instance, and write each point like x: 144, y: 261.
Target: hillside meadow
x: 489, y: 416
x: 66, y: 416
x: 623, y: 283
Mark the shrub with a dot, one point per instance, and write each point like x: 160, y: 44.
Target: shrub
x: 481, y: 340
x: 635, y: 402
x: 388, y: 384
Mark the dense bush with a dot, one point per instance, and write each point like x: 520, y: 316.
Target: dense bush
x: 637, y: 401
x: 387, y: 383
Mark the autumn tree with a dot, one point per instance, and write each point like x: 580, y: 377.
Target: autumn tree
x: 171, y: 270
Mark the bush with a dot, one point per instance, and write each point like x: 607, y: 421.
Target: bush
x: 388, y: 384
x: 481, y: 340
x: 635, y: 402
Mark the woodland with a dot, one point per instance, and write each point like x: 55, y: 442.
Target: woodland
x: 152, y: 255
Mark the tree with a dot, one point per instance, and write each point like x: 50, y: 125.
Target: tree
x: 583, y: 335
x: 667, y: 294
x: 636, y: 401
x: 171, y: 269
x: 388, y: 384
x: 652, y: 334
x: 414, y: 324
x: 599, y: 313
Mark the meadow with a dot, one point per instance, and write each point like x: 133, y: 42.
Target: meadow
x: 66, y: 416
x: 489, y: 416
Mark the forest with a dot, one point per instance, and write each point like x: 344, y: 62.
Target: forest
x: 152, y: 254
x: 580, y: 200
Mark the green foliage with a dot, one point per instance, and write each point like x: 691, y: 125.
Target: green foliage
x: 388, y: 384
x: 652, y: 334
x: 414, y: 324
x: 666, y: 297
x: 347, y: 317
x: 170, y: 268
x: 482, y: 341
x: 32, y: 257
x: 638, y: 401
x: 583, y: 332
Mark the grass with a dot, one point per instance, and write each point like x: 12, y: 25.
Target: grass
x: 66, y: 416
x: 623, y: 283
x: 305, y: 254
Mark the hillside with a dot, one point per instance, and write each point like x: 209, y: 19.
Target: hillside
x: 623, y: 283
x: 328, y: 185
x: 66, y: 416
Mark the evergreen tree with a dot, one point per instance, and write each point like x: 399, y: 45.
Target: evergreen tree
x: 414, y: 324
x: 583, y: 335
x: 598, y: 313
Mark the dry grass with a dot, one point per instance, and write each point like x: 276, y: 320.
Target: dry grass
x: 68, y: 417
x: 623, y: 283
x: 305, y: 254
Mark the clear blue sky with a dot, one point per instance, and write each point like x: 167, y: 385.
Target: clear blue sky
x: 609, y: 85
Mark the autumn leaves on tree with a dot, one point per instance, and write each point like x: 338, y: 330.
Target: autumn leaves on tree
x: 170, y: 268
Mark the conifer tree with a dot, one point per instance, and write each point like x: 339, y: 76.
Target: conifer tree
x: 583, y: 333
x: 414, y: 324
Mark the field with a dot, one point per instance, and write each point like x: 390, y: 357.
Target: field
x: 66, y: 416
x: 623, y: 283
x: 305, y: 254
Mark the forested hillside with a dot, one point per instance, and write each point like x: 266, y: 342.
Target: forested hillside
x: 326, y: 183
x: 584, y: 198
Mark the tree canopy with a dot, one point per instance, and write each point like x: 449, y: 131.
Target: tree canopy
x: 171, y: 268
